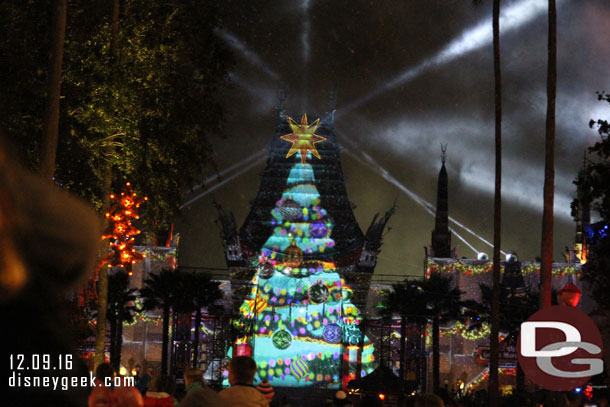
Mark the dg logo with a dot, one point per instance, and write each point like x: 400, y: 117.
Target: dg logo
x: 560, y: 348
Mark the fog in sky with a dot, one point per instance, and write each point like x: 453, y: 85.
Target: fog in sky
x: 411, y: 75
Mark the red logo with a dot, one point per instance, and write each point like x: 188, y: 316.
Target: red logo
x: 560, y: 348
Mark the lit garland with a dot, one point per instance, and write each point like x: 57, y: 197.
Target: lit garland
x: 142, y: 316
x: 120, y: 230
x: 163, y: 256
x: 485, y: 376
x: 476, y: 269
x: 460, y: 328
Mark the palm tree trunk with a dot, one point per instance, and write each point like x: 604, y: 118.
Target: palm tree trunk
x: 495, y: 298
x: 546, y: 265
x: 403, y: 342
x: 112, y: 323
x: 102, y: 307
x: 436, y: 354
x: 421, y: 359
x: 100, y: 335
x: 119, y: 341
x: 51, y: 114
x: 520, y: 380
x: 102, y: 280
x: 165, y: 339
x: 196, y: 339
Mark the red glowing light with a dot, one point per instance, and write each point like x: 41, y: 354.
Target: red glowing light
x: 121, y: 232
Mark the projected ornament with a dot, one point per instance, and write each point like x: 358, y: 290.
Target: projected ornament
x: 257, y: 304
x: 318, y: 229
x: 347, y: 294
x: 351, y: 334
x: 266, y: 270
x: 299, y: 368
x: 281, y: 339
x: 335, y: 294
x: 318, y: 293
x: 303, y: 138
x: 293, y: 256
x: 290, y: 210
x: 332, y: 333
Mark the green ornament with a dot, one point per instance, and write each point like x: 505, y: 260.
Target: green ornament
x: 281, y: 339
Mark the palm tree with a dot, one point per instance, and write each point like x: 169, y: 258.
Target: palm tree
x: 546, y: 264
x: 102, y: 284
x: 408, y: 301
x: 162, y: 291
x: 493, y: 367
x: 121, y: 309
x: 200, y: 292
x: 516, y: 310
x: 443, y: 304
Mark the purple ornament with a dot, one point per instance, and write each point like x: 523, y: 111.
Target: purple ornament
x: 318, y: 229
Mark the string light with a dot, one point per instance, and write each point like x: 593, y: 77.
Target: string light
x: 121, y: 232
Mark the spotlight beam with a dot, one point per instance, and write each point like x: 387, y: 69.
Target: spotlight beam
x: 428, y: 207
x: 251, y: 56
x: 305, y: 34
x: 388, y: 177
x: 225, y: 181
x: 225, y: 171
x: 449, y: 52
x: 474, y: 38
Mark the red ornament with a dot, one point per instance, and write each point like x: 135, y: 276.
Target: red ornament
x: 569, y: 295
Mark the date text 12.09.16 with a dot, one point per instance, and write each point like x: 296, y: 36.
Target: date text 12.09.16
x: 37, y: 361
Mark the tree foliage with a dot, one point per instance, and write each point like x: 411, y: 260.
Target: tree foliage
x: 146, y: 107
x: 595, y: 179
x: 594, y: 186
x: 436, y: 299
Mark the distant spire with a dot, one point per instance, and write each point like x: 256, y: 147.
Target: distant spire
x: 332, y: 98
x: 281, y: 101
x: 443, y: 153
x: 441, y: 237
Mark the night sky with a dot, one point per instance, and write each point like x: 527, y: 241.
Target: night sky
x: 410, y: 76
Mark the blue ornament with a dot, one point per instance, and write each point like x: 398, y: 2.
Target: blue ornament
x: 332, y: 333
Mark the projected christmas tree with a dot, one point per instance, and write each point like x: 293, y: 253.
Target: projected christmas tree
x: 299, y: 319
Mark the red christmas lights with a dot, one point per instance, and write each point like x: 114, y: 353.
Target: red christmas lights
x: 121, y: 232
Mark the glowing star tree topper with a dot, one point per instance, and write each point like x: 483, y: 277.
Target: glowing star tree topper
x: 303, y: 138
